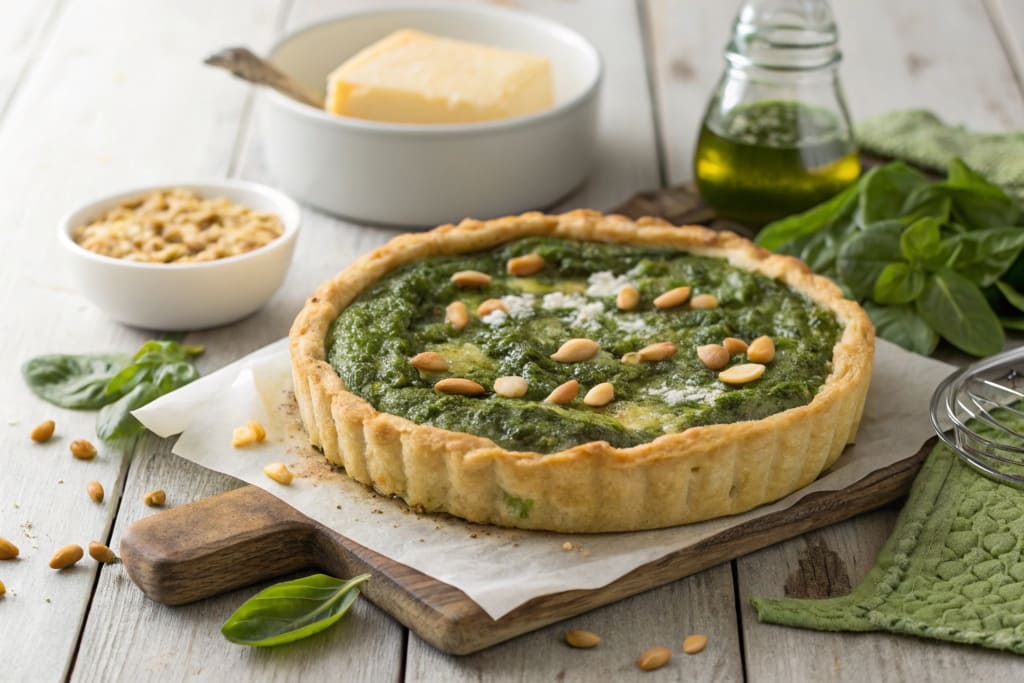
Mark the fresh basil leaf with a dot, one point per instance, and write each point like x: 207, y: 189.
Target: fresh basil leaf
x: 292, y: 610
x: 865, y: 255
x: 77, y: 382
x: 124, y: 381
x: 922, y: 240
x: 169, y: 377
x: 977, y: 202
x: 902, y: 325
x: 839, y: 209
x: 1015, y: 324
x: 899, y: 283
x: 884, y: 191
x: 115, y: 420
x: 955, y: 308
x: 929, y: 201
x: 1015, y: 298
x: 986, y: 254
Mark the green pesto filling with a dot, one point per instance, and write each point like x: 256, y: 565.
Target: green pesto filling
x: 574, y: 296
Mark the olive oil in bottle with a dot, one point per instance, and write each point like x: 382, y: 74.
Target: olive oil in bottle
x: 776, y: 137
x: 766, y: 160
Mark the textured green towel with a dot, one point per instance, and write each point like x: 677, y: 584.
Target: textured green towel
x: 953, y: 568
x: 920, y: 138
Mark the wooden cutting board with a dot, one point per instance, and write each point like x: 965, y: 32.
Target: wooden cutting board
x: 247, y: 536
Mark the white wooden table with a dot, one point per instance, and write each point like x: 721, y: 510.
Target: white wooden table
x: 100, y: 94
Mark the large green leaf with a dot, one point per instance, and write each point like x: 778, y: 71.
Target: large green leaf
x: 838, y: 209
x: 292, y: 610
x: 865, y: 255
x: 899, y: 283
x: 984, y: 255
x: 902, y: 325
x: 955, y: 308
x: 73, y: 381
x: 884, y: 191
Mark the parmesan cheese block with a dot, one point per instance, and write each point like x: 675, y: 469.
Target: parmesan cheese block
x: 414, y: 77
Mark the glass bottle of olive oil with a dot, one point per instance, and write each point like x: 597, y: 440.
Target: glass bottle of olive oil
x: 776, y: 138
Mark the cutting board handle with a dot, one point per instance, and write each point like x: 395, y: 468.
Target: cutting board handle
x: 218, y: 544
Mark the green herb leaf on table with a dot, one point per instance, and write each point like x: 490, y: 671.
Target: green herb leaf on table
x: 77, y: 382
x: 931, y: 250
x: 884, y: 191
x: 984, y: 255
x: 807, y: 223
x: 292, y: 610
x: 899, y: 283
x: 955, y: 308
x: 116, y: 384
x: 902, y: 325
x: 922, y: 240
x: 1015, y: 298
x: 864, y: 256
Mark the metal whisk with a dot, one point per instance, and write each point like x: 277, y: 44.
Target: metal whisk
x: 986, y: 393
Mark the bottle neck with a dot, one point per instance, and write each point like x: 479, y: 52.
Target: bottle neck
x: 784, y: 35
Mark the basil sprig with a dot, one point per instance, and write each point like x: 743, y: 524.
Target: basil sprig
x: 927, y: 259
x: 292, y: 610
x: 116, y: 384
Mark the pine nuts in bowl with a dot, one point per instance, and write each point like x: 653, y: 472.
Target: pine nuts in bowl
x: 182, y: 256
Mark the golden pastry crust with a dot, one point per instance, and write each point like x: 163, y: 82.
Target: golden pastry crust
x: 700, y: 473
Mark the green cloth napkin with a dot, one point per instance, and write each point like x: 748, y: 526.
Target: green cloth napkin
x: 921, y: 138
x: 953, y: 568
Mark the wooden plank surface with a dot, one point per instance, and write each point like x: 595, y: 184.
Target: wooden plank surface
x: 22, y: 33
x: 702, y: 603
x: 103, y: 106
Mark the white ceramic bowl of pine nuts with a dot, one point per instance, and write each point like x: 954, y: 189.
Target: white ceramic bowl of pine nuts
x: 181, y: 256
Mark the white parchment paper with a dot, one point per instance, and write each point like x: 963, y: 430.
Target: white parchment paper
x: 500, y: 569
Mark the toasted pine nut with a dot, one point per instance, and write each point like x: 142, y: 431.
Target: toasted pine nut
x: 471, y: 278
x: 734, y: 346
x: 564, y: 393
x: 66, y: 556
x: 457, y: 315
x: 42, y: 432
x: 627, y: 298
x: 600, y: 395
x: 694, y: 644
x: 95, y: 491
x: 431, y: 361
x: 655, y: 658
x: 581, y: 639
x: 82, y: 449
x: 510, y: 387
x: 576, y: 350
x: 673, y: 297
x: 155, y: 498
x: 101, y: 553
x: 490, y: 306
x: 704, y: 301
x: 459, y: 386
x: 3, y: 589
x: 8, y: 551
x: 522, y: 266
x: 248, y: 434
x: 279, y: 472
x: 713, y: 356
x: 761, y: 350
x: 657, y: 351
x: 742, y: 374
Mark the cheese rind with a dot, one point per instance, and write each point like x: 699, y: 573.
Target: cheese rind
x: 414, y: 77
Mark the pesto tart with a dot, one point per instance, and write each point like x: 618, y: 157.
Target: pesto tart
x: 580, y: 372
